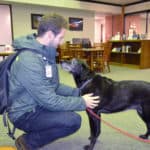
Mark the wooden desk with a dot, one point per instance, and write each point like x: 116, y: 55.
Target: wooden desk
x: 6, y: 53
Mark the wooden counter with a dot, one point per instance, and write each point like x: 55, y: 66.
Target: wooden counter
x: 138, y: 52
x: 5, y: 53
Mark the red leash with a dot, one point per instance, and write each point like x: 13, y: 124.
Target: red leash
x: 117, y: 129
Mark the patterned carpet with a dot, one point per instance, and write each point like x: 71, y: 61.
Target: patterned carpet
x: 109, y: 138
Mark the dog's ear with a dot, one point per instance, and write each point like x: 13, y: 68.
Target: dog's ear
x: 97, y: 79
x: 84, y: 64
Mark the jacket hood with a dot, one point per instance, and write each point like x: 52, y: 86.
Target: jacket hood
x: 30, y: 42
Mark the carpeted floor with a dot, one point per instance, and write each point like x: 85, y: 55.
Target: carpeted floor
x: 109, y: 138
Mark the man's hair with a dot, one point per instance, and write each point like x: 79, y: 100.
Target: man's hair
x: 52, y: 22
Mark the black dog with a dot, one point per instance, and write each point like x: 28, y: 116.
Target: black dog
x: 114, y: 96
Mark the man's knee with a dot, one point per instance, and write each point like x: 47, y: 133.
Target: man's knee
x: 75, y: 122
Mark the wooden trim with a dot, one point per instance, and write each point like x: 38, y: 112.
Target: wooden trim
x: 11, y: 19
x: 113, y: 4
x: 112, y: 25
x: 122, y: 20
x: 146, y: 30
x: 142, y: 1
x: 136, y: 12
x: 105, y: 3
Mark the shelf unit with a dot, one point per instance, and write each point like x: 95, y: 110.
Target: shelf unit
x: 133, y: 55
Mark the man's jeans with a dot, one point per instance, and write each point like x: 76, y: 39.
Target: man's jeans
x: 43, y: 126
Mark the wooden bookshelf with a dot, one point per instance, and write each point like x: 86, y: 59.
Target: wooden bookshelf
x: 134, y: 52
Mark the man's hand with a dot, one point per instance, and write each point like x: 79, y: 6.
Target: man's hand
x: 91, y: 101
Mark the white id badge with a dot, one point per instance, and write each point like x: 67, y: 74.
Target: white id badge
x: 48, y: 71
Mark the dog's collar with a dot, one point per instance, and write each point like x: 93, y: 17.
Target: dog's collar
x: 85, y: 83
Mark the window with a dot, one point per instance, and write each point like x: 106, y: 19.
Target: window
x: 136, y: 23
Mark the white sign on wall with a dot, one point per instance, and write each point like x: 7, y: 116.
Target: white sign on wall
x: 5, y: 25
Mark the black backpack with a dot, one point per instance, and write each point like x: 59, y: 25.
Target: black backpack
x: 4, y: 86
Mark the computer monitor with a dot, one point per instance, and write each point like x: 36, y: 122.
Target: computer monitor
x: 76, y: 41
x: 86, y: 43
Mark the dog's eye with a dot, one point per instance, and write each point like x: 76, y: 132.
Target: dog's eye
x: 75, y: 61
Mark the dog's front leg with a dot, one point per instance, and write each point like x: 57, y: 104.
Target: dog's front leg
x: 91, y: 145
x: 95, y: 129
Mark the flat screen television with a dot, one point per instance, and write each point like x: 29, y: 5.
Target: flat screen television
x: 35, y: 18
x: 76, y: 40
x: 86, y: 43
x: 75, y: 24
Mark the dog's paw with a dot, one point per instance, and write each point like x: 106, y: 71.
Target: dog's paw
x: 86, y: 147
x: 90, y: 138
x: 143, y: 136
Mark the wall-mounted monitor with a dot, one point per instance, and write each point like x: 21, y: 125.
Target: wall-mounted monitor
x: 76, y: 40
x: 75, y: 24
x: 86, y: 43
x: 35, y: 19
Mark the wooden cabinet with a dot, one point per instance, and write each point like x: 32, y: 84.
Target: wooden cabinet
x: 135, y: 52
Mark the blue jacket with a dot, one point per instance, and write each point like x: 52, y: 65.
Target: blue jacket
x: 34, y: 81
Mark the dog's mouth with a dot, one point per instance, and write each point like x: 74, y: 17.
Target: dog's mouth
x: 66, y: 66
x: 69, y: 65
x: 72, y: 66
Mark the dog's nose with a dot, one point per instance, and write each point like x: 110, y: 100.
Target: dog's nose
x: 62, y: 61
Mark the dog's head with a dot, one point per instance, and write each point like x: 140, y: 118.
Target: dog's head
x: 79, y: 69
x: 74, y: 66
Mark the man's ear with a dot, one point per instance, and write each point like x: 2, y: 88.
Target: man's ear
x: 50, y: 34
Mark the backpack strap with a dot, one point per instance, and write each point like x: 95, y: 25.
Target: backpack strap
x: 11, y: 132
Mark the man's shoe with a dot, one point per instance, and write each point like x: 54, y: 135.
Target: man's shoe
x: 21, y: 143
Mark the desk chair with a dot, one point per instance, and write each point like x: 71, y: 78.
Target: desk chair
x: 64, y: 52
x: 75, y: 50
x: 106, y: 55
x: 101, y: 59
x: 97, y: 61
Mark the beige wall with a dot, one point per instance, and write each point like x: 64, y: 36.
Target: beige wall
x: 69, y: 8
x: 22, y: 19
x: 73, y: 4
x: 22, y: 9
